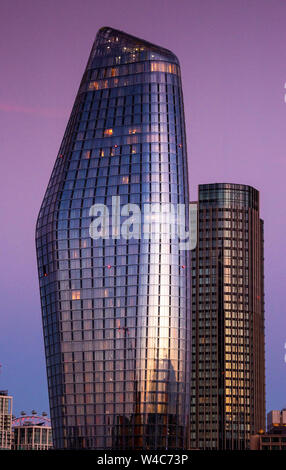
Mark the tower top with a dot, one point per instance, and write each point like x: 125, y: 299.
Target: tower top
x: 110, y: 42
x: 221, y: 194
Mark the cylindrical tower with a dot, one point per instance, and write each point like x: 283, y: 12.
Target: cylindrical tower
x: 228, y: 385
x: 116, y: 308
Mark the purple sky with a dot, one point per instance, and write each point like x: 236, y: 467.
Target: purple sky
x: 233, y: 61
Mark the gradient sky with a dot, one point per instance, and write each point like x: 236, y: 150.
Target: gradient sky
x: 233, y: 61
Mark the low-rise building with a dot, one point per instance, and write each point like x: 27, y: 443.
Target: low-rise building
x: 275, y: 437
x: 268, y: 441
x: 32, y: 433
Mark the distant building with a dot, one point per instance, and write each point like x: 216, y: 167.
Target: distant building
x: 275, y: 437
x: 276, y: 421
x: 32, y: 433
x: 5, y: 420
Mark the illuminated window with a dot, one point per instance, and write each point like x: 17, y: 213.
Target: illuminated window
x: 94, y: 86
x: 76, y: 295
x: 108, y: 132
x: 86, y: 154
x: 163, y: 67
x: 125, y: 179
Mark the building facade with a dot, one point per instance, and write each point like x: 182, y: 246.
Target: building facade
x: 268, y: 441
x: 227, y: 383
x: 276, y: 421
x: 275, y: 437
x: 116, y: 311
x: 32, y: 433
x: 6, y: 403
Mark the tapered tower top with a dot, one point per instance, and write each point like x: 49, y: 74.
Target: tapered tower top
x: 111, y: 42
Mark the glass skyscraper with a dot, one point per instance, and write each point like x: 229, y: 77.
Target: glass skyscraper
x: 116, y: 311
x: 228, y: 364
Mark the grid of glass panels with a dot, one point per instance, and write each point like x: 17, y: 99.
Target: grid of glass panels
x: 227, y: 392
x: 115, y: 311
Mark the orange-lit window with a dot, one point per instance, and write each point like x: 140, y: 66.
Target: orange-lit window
x: 94, y: 86
x: 154, y: 67
x: 76, y: 295
x: 102, y: 153
x: 163, y: 67
x: 86, y: 154
x: 114, y: 72
x: 108, y: 132
x: 125, y: 179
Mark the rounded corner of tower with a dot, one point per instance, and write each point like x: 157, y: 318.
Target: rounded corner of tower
x: 176, y: 59
x: 103, y: 29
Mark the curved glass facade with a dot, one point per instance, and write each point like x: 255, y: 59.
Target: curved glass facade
x: 116, y: 311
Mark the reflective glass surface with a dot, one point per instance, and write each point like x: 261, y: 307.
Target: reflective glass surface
x: 115, y: 312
